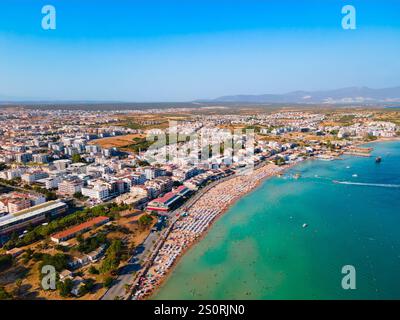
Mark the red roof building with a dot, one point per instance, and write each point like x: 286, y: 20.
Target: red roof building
x: 80, y: 228
x: 163, y: 203
x: 169, y: 200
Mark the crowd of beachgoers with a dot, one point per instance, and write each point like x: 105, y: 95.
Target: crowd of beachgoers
x: 196, y: 220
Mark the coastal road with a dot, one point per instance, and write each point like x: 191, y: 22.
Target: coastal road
x: 135, y: 263
x: 148, y: 247
x: 125, y: 276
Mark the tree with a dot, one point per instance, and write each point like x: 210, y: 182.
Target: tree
x: 76, y: 158
x: 280, y: 161
x: 3, y: 166
x: 27, y: 255
x: 108, y: 282
x: 59, y: 261
x: 50, y: 195
x: 145, y: 220
x: 78, y: 195
x: 6, y: 261
x: 4, y: 295
x: 18, y: 285
x: 93, y: 270
x: 113, y: 257
x: 65, y: 287
x: 87, y: 287
x: 127, y: 287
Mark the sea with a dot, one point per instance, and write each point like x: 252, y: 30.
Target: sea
x: 292, y: 238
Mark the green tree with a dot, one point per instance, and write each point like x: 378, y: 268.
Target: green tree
x: 6, y: 261
x: 93, y: 270
x: 59, y: 261
x: 145, y: 220
x: 65, y: 287
x: 113, y: 257
x: 76, y: 158
x: 108, y: 282
x: 4, y: 295
x: 18, y: 285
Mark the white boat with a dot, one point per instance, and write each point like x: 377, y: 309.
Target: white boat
x: 305, y: 225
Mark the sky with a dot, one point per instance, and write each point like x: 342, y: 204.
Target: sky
x: 182, y: 50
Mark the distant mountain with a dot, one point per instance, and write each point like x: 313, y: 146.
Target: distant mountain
x: 361, y: 95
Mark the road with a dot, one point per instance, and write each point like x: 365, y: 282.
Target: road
x: 135, y: 263
x: 150, y: 246
x: 125, y: 276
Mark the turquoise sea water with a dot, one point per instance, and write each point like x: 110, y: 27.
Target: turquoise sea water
x: 259, y: 249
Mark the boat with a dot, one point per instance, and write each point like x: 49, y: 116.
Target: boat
x: 297, y: 175
x: 378, y: 159
x: 355, y: 175
x: 305, y: 225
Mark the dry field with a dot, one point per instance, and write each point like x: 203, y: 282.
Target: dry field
x: 118, y: 141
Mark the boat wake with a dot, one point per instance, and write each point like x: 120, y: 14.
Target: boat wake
x: 382, y: 185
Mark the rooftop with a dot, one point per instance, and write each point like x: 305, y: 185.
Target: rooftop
x: 80, y: 227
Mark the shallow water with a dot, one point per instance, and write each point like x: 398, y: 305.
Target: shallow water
x: 260, y: 250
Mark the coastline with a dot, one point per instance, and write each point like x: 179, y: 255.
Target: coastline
x: 226, y: 207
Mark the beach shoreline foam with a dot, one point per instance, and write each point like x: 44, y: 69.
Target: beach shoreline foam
x: 238, y: 187
x: 258, y: 181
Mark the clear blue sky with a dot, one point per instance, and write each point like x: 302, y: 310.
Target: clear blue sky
x: 181, y: 50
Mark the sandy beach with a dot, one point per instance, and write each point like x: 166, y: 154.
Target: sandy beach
x: 195, y: 223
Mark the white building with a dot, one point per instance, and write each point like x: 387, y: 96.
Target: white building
x: 34, y: 176
x: 96, y: 191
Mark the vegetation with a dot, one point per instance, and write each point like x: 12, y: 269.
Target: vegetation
x: 50, y: 195
x: 144, y: 221
x: 279, y: 161
x: 140, y: 144
x: 113, y: 257
x: 43, y: 231
x: 6, y: 261
x: 93, y: 270
x: 77, y: 158
x: 4, y: 295
x: 334, y: 132
x: 134, y: 126
x: 92, y: 243
x: 65, y: 287
x: 108, y: 282
x: 346, y: 120
x: 87, y: 287
x: 27, y: 256
x: 59, y: 261
x: 370, y: 137
x: 143, y: 163
x: 3, y: 166
x: 79, y: 196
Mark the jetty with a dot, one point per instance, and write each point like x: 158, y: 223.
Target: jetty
x: 358, y: 151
